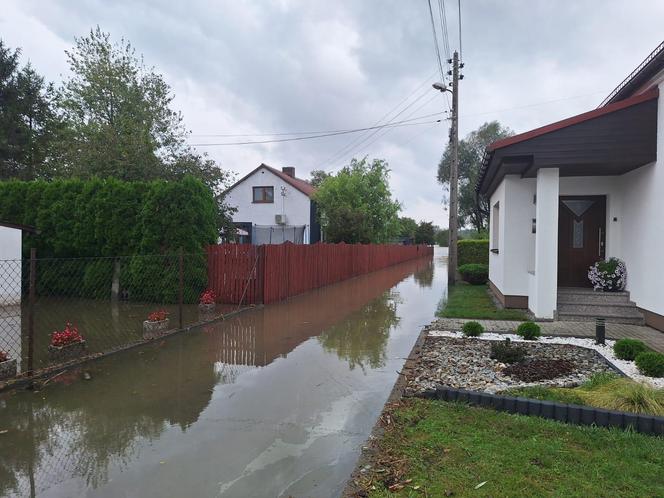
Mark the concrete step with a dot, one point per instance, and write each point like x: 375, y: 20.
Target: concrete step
x: 579, y: 316
x: 599, y: 309
x: 588, y: 296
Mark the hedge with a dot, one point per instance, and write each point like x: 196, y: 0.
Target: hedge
x: 86, y: 218
x: 148, y: 221
x: 472, y: 251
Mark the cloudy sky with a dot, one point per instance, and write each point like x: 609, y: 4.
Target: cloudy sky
x: 257, y: 67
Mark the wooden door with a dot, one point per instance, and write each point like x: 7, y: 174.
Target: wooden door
x: 581, y: 237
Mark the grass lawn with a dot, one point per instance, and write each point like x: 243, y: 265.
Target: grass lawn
x: 473, y: 301
x: 434, y: 448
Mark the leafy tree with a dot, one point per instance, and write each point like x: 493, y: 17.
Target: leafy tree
x: 408, y: 227
x: 27, y: 119
x: 119, y: 122
x: 318, y: 176
x: 356, y: 205
x: 473, y: 211
x: 442, y: 237
x: 424, y: 233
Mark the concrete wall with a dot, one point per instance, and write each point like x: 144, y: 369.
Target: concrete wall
x: 643, y: 226
x: 295, y: 205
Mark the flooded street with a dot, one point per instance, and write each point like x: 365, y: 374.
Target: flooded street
x: 273, y: 402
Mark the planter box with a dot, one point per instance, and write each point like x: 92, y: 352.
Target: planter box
x: 152, y: 330
x: 206, y: 308
x: 66, y: 353
x: 7, y: 369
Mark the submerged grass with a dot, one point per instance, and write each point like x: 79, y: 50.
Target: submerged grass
x: 474, y: 301
x: 434, y: 448
x: 602, y: 390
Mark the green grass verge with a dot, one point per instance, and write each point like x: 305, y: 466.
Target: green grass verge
x: 473, y: 301
x: 434, y: 448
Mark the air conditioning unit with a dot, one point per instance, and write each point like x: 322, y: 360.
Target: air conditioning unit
x: 280, y: 219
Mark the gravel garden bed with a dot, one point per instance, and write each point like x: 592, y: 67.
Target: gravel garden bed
x: 460, y: 362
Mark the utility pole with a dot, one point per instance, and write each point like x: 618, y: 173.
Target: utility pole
x: 454, y: 176
x: 454, y: 167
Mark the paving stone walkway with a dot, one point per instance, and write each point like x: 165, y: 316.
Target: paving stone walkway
x: 652, y: 337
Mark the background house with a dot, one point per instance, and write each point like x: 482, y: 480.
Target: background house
x: 580, y: 190
x: 273, y: 207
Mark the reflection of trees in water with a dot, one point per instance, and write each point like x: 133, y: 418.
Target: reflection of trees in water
x: 424, y: 277
x: 84, y: 429
x: 362, y: 338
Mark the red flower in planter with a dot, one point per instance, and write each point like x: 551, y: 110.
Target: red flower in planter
x: 4, y: 356
x: 67, y: 336
x: 208, y: 297
x: 158, y: 316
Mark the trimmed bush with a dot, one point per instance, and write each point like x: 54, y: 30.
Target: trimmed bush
x: 472, y: 329
x: 650, y: 363
x: 529, y: 331
x: 472, y: 251
x: 628, y: 349
x: 505, y: 352
x: 475, y: 273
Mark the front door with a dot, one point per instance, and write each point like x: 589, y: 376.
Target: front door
x: 581, y: 237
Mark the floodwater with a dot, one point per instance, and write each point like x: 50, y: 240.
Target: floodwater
x: 273, y: 402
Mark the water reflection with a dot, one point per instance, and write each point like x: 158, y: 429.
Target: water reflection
x: 74, y: 434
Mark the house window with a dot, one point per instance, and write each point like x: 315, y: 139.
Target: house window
x: 263, y: 194
x: 495, y: 225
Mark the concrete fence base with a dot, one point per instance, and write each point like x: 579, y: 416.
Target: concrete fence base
x: 562, y: 412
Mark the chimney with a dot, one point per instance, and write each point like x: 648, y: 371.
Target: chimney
x: 288, y: 171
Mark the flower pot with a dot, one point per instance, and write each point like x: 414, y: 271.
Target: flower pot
x: 206, y: 308
x: 152, y: 330
x: 8, y: 369
x: 68, y: 352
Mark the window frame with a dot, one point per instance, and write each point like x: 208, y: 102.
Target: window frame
x: 264, y: 199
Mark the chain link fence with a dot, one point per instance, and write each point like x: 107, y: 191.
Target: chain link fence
x: 55, y: 311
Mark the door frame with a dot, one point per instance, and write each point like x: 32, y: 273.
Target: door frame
x: 603, y: 199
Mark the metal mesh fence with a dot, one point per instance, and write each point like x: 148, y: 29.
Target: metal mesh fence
x: 55, y: 310
x: 277, y: 234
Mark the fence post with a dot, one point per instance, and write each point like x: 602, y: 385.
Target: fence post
x: 31, y: 310
x: 181, y: 288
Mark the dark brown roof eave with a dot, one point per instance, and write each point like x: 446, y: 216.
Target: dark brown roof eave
x: 18, y: 226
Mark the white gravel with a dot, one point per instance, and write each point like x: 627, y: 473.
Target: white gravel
x: 606, y: 350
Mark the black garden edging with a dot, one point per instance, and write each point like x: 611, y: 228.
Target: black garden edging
x: 562, y: 412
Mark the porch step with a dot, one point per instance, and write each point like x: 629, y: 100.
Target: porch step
x: 586, y: 304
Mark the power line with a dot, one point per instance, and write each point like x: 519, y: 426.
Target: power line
x: 340, y: 152
x: 254, y: 142
x: 435, y: 41
x: 443, y: 29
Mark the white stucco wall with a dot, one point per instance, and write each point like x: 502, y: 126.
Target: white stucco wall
x: 295, y: 205
x: 10, y: 266
x: 496, y: 261
x: 643, y: 226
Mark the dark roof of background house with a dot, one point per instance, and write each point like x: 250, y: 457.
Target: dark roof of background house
x: 18, y: 226
x: 302, y: 185
x: 652, y: 64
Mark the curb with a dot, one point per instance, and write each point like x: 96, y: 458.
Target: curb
x: 561, y: 412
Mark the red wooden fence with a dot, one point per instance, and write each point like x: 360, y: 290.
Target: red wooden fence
x: 248, y: 274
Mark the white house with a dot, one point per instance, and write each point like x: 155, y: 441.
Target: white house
x: 273, y: 207
x: 573, y: 192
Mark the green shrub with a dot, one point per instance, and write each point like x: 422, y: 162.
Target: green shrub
x: 472, y: 251
x: 628, y: 349
x: 475, y: 273
x: 599, y: 379
x: 505, y: 352
x: 472, y: 329
x: 650, y: 363
x: 529, y: 331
